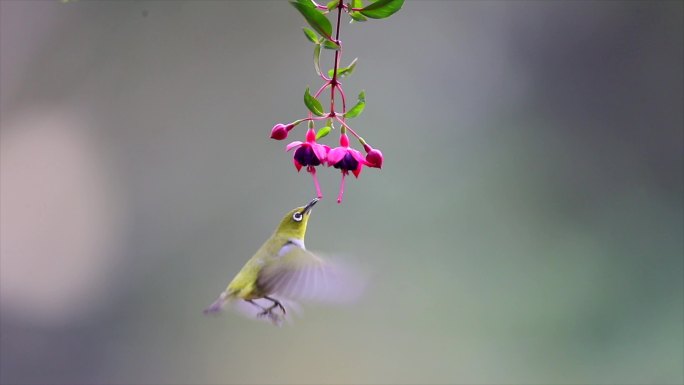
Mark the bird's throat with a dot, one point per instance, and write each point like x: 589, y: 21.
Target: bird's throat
x: 291, y: 244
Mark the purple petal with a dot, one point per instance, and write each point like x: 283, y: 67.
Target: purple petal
x: 320, y: 151
x: 358, y: 156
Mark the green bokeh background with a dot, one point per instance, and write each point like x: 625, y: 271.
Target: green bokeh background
x: 527, y: 226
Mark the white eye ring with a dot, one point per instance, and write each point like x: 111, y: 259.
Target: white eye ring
x: 297, y: 216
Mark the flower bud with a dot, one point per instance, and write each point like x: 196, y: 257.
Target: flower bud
x: 279, y: 132
x: 374, y: 157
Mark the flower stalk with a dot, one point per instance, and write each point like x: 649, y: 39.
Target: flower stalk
x: 309, y: 154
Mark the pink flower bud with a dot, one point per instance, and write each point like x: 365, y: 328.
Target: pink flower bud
x: 279, y: 132
x: 374, y: 158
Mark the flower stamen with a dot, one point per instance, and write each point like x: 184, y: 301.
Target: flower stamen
x: 339, y: 196
x: 312, y: 171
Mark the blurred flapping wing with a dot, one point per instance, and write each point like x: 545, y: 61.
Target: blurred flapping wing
x: 301, y: 275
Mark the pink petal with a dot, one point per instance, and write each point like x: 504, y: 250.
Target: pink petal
x: 358, y: 156
x: 292, y: 145
x: 320, y: 152
x: 336, y: 154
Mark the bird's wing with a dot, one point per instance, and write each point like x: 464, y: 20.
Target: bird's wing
x: 301, y: 275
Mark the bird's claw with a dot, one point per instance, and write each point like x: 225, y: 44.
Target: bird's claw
x: 275, y: 318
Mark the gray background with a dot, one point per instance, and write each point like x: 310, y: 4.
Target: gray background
x: 526, y: 228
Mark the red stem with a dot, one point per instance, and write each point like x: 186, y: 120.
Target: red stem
x: 347, y: 127
x: 344, y: 99
x: 333, y: 81
x: 319, y: 6
x: 316, y: 96
x: 321, y: 89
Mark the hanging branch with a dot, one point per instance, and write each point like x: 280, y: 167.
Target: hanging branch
x: 310, y: 153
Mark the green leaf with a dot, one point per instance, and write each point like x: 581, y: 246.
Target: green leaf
x: 356, y: 16
x: 332, y: 5
x: 323, y: 132
x: 314, y: 17
x: 311, y: 35
x: 327, y: 44
x: 317, y: 59
x: 345, y: 71
x: 358, y: 108
x: 312, y: 103
x: 381, y: 9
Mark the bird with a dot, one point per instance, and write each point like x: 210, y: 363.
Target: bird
x: 283, y: 272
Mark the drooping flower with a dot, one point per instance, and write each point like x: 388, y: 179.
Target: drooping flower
x: 374, y: 156
x: 309, y: 154
x: 345, y: 159
x: 280, y: 131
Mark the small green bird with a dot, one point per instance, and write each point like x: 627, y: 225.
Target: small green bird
x: 282, y: 271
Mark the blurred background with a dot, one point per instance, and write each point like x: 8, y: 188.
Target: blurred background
x: 527, y: 226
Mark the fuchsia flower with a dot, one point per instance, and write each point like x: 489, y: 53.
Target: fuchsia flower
x: 280, y: 131
x: 346, y: 159
x: 309, y: 154
x: 373, y: 156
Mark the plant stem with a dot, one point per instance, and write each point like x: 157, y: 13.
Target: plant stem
x: 310, y: 118
x: 333, y: 81
x: 321, y: 89
x: 344, y: 99
x: 317, y: 94
x: 337, y: 117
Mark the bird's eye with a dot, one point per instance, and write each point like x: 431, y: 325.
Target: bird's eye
x: 297, y: 216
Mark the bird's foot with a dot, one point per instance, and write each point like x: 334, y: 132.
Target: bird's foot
x: 276, y: 319
x: 280, y: 306
x: 276, y: 303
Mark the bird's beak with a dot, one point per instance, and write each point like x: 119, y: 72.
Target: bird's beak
x: 311, y: 204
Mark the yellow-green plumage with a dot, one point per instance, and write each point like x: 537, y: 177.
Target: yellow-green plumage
x: 282, y: 270
x: 244, y: 285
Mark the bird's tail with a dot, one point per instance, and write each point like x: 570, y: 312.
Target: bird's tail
x: 217, y: 306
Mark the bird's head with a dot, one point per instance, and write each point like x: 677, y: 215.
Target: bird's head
x: 294, y: 223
